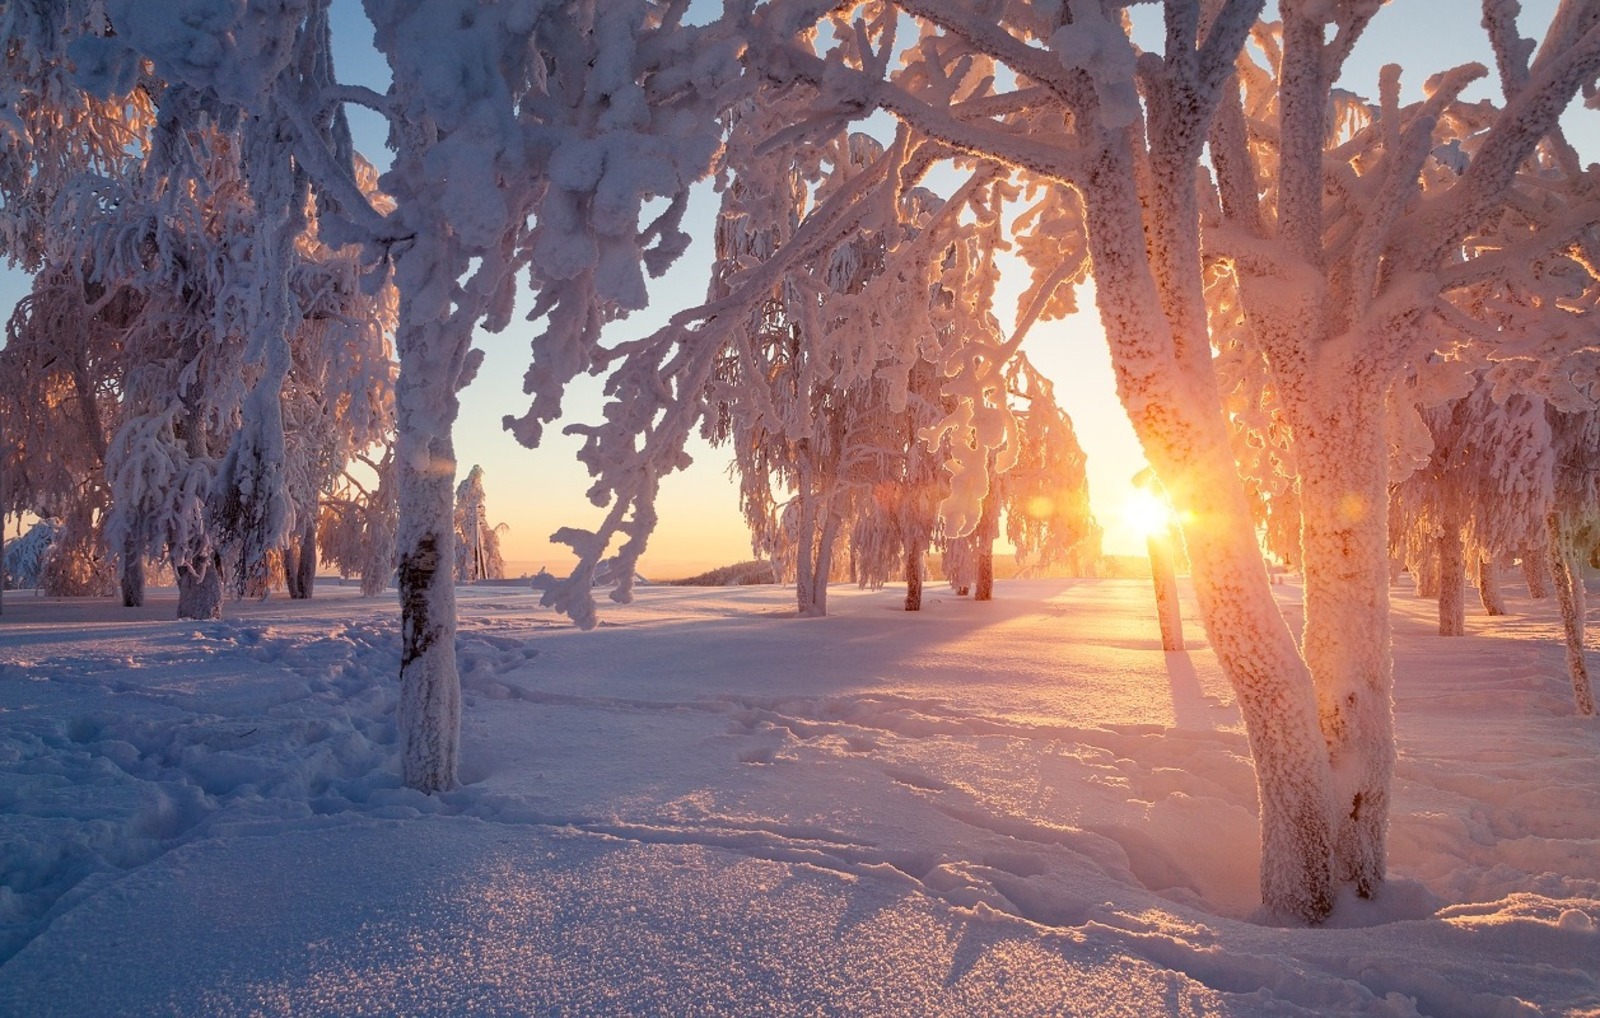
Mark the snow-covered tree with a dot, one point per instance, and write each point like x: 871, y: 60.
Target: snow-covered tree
x: 1337, y: 314
x: 538, y: 147
x: 51, y: 130
x: 477, y: 543
x: 338, y: 399
x: 1075, y: 118
x: 1341, y: 312
x: 356, y: 527
x: 832, y: 394
x: 60, y: 373
x: 190, y: 229
x: 27, y: 558
x: 1484, y: 495
x: 1434, y: 504
x: 897, y: 520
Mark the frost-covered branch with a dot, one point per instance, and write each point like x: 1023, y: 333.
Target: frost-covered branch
x: 1569, y: 58
x: 1015, y: 148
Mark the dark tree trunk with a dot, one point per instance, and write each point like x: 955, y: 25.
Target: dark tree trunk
x: 988, y: 526
x: 300, y: 563
x: 1166, y: 582
x: 913, y: 577
x: 983, y: 589
x: 291, y: 569
x: 131, y: 574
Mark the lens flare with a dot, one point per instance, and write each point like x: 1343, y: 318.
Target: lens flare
x: 1147, y: 514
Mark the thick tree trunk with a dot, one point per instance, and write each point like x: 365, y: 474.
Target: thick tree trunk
x: 1168, y: 615
x: 1571, y: 596
x: 1494, y: 602
x: 1165, y: 381
x: 1452, y: 581
x: 130, y: 574
x: 200, y: 587
x: 1344, y: 537
x: 430, y: 686
x: 429, y: 712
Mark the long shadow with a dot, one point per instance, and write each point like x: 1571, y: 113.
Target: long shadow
x: 1190, y: 708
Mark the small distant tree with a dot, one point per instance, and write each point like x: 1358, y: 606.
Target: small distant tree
x: 477, y: 543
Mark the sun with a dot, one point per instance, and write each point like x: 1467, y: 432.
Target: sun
x: 1147, y: 514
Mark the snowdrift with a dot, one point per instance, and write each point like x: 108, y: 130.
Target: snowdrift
x: 708, y: 806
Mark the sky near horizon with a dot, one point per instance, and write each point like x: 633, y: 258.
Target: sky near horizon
x: 535, y: 492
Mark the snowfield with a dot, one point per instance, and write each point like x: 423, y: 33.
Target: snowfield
x: 709, y: 806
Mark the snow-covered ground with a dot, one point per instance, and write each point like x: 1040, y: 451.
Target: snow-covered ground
x: 708, y: 806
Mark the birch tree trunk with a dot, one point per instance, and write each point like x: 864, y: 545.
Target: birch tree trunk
x: 1452, y: 580
x: 1494, y: 602
x: 1570, y: 595
x: 913, y: 573
x: 433, y: 349
x: 988, y: 526
x: 1162, y: 572
x: 1178, y: 419
x: 824, y: 567
x: 1536, y: 574
x: 1344, y: 541
x: 804, y: 561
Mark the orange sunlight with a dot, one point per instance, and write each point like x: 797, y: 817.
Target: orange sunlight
x: 1146, y: 513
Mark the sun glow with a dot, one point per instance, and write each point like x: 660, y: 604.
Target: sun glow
x: 1146, y: 513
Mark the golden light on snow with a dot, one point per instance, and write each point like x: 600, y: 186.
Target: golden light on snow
x: 1146, y: 513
